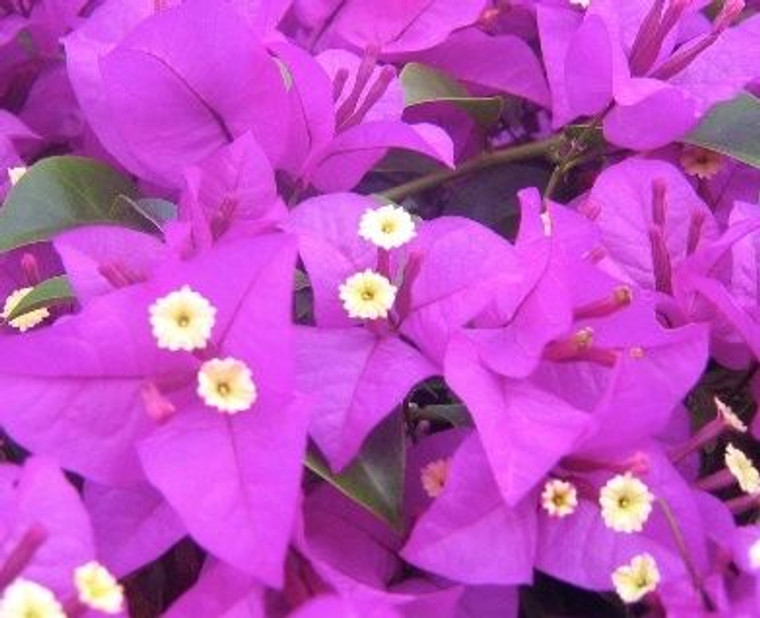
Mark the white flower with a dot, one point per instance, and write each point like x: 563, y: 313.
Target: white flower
x: 227, y: 385
x: 26, y: 321
x: 182, y: 320
x: 626, y: 503
x: 701, y: 162
x: 729, y: 417
x: 98, y: 588
x: 559, y: 498
x: 637, y: 578
x: 584, y: 4
x: 25, y: 599
x: 433, y: 477
x: 367, y: 295
x: 387, y: 227
x: 743, y: 470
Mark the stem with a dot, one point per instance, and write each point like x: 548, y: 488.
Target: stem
x: 684, y: 553
x: 577, y: 148
x: 551, y: 186
x: 483, y: 161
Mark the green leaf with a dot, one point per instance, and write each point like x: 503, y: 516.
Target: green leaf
x: 50, y: 292
x: 423, y: 84
x: 157, y: 210
x: 732, y: 129
x: 455, y: 414
x: 375, y: 479
x: 60, y: 193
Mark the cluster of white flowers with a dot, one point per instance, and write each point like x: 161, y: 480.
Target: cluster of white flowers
x: 369, y: 295
x: 96, y: 588
x: 184, y: 320
x: 626, y: 504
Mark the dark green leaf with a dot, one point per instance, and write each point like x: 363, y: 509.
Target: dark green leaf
x: 732, y: 129
x: 375, y: 479
x: 455, y: 414
x: 157, y: 210
x: 423, y: 84
x: 60, y: 193
x: 50, y: 292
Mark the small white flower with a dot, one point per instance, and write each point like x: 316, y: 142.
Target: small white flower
x: 227, y: 385
x: 25, y: 599
x: 729, y: 417
x: 743, y: 470
x: 367, y: 295
x: 98, y: 588
x: 701, y: 162
x: 434, y: 476
x: 634, y: 580
x: 15, y: 174
x: 182, y: 320
x: 584, y: 4
x: 559, y: 498
x: 387, y: 227
x: 626, y: 503
x: 26, y: 321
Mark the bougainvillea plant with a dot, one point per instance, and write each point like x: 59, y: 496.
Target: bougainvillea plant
x: 379, y: 308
